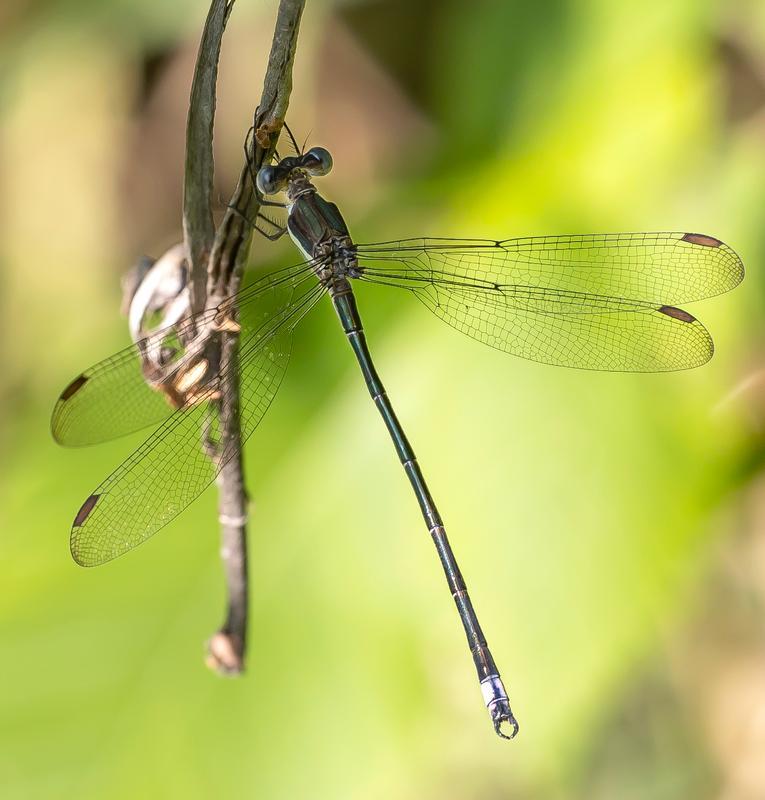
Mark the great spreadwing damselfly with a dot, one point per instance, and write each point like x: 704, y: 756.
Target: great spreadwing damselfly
x: 596, y: 302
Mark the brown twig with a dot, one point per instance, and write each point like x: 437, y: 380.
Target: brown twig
x: 217, y: 259
x: 198, y: 225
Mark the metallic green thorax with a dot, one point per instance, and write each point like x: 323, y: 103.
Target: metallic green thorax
x: 313, y: 221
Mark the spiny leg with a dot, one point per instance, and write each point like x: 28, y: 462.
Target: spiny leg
x: 298, y: 150
x: 279, y: 230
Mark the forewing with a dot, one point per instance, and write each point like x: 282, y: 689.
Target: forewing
x: 108, y: 400
x: 661, y: 268
x: 112, y: 398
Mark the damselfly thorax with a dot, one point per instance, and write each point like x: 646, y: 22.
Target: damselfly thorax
x: 319, y: 231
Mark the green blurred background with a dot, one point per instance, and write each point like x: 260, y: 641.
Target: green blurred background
x: 611, y: 527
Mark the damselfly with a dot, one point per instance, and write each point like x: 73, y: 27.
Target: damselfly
x: 598, y: 302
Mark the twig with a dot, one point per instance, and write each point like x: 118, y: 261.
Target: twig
x: 224, y: 254
x: 198, y: 225
x: 232, y: 239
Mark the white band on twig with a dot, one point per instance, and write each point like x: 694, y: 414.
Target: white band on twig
x: 238, y: 522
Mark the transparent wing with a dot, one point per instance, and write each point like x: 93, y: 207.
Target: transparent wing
x: 592, y: 302
x: 172, y: 467
x: 112, y: 398
x: 654, y: 267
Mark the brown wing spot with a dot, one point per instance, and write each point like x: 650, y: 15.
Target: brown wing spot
x: 84, y: 512
x: 702, y: 239
x: 74, y: 387
x: 677, y: 313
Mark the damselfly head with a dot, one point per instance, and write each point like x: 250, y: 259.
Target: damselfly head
x: 276, y: 178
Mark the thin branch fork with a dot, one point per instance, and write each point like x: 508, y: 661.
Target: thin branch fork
x: 216, y: 260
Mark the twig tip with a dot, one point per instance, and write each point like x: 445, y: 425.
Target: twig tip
x: 225, y: 654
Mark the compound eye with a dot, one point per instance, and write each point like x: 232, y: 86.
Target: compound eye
x: 269, y: 181
x: 317, y: 161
